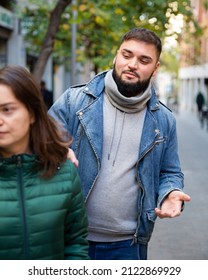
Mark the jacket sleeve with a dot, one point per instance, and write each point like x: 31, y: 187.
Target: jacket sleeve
x: 60, y: 110
x: 76, y: 244
x: 171, y: 176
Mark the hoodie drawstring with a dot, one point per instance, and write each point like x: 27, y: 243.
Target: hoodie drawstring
x: 113, y: 135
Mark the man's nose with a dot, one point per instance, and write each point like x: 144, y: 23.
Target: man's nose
x: 133, y: 63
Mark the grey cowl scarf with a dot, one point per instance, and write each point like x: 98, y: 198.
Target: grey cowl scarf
x: 125, y: 104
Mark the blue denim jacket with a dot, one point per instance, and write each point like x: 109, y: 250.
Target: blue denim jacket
x: 80, y: 110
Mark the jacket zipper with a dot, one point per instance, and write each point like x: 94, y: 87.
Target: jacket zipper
x: 23, y: 211
x: 135, y: 237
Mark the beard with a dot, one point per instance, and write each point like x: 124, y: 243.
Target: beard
x: 128, y: 89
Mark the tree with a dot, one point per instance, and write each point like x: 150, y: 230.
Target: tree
x: 104, y: 23
x: 48, y: 44
x: 100, y: 26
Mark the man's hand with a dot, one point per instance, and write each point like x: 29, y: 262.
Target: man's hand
x: 71, y: 156
x: 171, y: 206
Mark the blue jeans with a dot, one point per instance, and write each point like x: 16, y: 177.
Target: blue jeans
x: 120, y: 250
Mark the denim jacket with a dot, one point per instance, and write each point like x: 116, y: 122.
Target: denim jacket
x: 158, y: 172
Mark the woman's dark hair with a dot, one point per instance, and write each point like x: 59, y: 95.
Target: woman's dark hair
x: 48, y: 140
x: 144, y: 35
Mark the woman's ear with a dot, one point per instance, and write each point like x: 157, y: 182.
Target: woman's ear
x: 32, y: 119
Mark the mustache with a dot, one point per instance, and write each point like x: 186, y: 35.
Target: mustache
x: 131, y: 72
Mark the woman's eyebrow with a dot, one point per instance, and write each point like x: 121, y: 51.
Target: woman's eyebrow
x: 6, y: 104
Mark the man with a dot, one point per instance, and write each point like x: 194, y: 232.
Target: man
x: 200, y: 101
x: 126, y: 144
x: 47, y: 94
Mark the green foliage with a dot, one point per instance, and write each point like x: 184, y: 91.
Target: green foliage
x: 169, y: 61
x: 205, y: 4
x: 103, y: 23
x: 100, y: 25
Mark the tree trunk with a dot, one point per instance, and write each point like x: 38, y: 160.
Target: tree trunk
x: 48, y: 43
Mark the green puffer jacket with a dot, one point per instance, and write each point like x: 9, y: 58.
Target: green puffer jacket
x: 41, y: 219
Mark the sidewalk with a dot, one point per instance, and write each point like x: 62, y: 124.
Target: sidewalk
x: 191, y: 119
x: 186, y: 237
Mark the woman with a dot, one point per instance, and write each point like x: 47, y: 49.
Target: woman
x: 42, y: 213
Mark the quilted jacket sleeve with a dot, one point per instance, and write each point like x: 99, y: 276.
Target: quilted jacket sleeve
x: 76, y: 244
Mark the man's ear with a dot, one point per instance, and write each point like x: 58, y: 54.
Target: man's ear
x: 156, y: 69
x: 114, y: 60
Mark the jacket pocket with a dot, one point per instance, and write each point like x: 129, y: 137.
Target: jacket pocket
x: 151, y: 215
x: 147, y: 224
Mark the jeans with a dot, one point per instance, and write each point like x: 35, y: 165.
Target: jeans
x: 120, y: 250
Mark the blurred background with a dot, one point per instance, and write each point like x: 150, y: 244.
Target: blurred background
x: 66, y: 42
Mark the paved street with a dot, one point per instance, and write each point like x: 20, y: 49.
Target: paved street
x: 186, y: 237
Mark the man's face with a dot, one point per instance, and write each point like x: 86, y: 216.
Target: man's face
x: 134, y: 65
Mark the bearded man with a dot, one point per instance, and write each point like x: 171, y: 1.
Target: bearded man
x: 126, y: 144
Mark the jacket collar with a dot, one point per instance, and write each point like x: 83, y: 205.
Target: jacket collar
x: 153, y: 104
x: 95, y: 87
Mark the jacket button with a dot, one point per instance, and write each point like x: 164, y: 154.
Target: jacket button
x: 80, y: 114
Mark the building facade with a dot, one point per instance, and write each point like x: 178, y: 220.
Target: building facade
x: 12, y: 43
x: 12, y: 50
x: 193, y: 73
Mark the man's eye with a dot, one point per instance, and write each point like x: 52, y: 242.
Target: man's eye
x: 126, y: 56
x: 144, y: 61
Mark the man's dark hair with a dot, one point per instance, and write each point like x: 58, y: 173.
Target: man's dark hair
x: 144, y: 35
